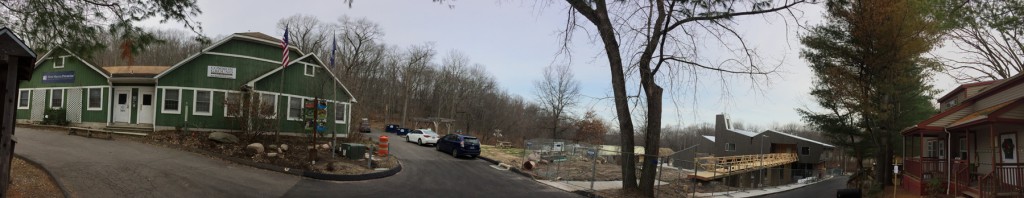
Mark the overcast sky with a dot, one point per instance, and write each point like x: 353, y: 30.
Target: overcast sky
x: 515, y: 40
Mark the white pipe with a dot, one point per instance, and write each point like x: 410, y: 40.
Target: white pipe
x: 949, y: 166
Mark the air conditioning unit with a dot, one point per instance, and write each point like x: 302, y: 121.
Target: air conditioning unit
x: 352, y: 150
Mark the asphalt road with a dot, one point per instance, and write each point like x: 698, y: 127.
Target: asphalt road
x: 429, y: 173
x: 89, y: 167
x: 821, y: 189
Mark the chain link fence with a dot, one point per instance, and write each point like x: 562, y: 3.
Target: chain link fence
x: 596, y: 169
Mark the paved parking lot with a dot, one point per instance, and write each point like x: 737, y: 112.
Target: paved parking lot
x: 429, y: 173
x: 103, y: 168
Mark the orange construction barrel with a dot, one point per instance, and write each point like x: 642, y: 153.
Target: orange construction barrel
x: 382, y: 147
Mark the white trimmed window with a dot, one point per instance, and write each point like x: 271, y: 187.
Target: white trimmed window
x: 59, y: 62
x: 24, y: 98
x: 805, y: 150
x: 310, y: 70
x: 963, y: 148
x: 269, y: 104
x: 172, y: 101
x: 202, y: 103
x: 95, y: 99
x: 56, y: 98
x: 232, y: 103
x: 730, y: 146
x: 295, y: 108
x: 340, y: 114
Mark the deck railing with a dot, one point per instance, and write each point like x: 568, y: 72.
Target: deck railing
x: 1004, y: 180
x: 917, y: 167
x: 961, y: 176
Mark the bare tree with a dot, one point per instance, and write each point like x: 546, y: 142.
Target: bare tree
x: 307, y: 33
x: 557, y: 92
x: 988, y: 34
x: 666, y: 35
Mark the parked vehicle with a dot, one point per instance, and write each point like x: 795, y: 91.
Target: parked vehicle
x: 391, y: 128
x: 402, y: 132
x: 364, y: 125
x: 459, y: 145
x: 422, y: 136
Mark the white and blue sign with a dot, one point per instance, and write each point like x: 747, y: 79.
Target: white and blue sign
x: 59, y: 77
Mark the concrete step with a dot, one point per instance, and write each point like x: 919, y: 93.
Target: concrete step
x: 971, y: 194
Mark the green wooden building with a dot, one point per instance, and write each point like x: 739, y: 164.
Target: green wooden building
x: 237, y: 83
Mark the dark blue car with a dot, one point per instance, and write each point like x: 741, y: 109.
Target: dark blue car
x: 459, y: 145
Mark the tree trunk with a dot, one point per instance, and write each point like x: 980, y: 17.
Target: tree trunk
x: 405, y: 108
x: 652, y: 141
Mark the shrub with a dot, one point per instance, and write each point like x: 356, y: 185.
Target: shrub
x: 56, y: 116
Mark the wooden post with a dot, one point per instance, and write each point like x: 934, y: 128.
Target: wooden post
x: 8, y: 106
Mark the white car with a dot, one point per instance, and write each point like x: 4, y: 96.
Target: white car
x: 422, y: 136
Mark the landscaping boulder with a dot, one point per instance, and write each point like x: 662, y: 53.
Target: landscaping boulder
x: 254, y: 148
x: 284, y: 147
x: 271, y: 154
x: 533, y: 157
x: 222, y: 137
x: 325, y: 146
x: 272, y: 147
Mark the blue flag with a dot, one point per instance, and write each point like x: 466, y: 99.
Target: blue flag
x: 334, y: 47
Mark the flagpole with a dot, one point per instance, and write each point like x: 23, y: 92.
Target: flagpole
x: 280, y: 88
x: 280, y: 91
x: 334, y: 47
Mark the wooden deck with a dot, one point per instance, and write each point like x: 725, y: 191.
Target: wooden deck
x: 717, y: 167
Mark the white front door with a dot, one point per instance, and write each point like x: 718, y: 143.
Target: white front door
x: 146, y: 105
x: 1008, y: 151
x: 122, y: 105
x: 1008, y: 147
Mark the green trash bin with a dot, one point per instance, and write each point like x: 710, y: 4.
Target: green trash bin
x: 353, y: 151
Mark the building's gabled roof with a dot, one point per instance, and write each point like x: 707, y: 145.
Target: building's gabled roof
x: 16, y: 42
x: 712, y: 138
x: 742, y: 132
x: 963, y: 87
x: 250, y: 36
x: 135, y: 71
x: 967, y: 111
x: 12, y: 45
x: 297, y: 60
x: 800, y: 138
x: 87, y: 63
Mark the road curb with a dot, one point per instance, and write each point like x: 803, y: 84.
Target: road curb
x: 812, y: 183
x: 513, y: 169
x: 49, y: 174
x: 298, y: 172
x: 527, y: 175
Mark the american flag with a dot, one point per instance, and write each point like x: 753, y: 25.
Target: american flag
x: 284, y: 45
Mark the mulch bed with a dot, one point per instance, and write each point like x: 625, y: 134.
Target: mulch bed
x: 27, y: 180
x: 296, y: 157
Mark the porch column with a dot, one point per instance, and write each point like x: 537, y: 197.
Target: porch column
x: 787, y: 174
x: 921, y: 140
x: 992, y: 145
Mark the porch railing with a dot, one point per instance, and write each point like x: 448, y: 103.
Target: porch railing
x: 1004, y: 180
x: 917, y: 167
x: 961, y: 176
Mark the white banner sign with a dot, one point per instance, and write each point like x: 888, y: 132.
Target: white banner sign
x: 220, y: 72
